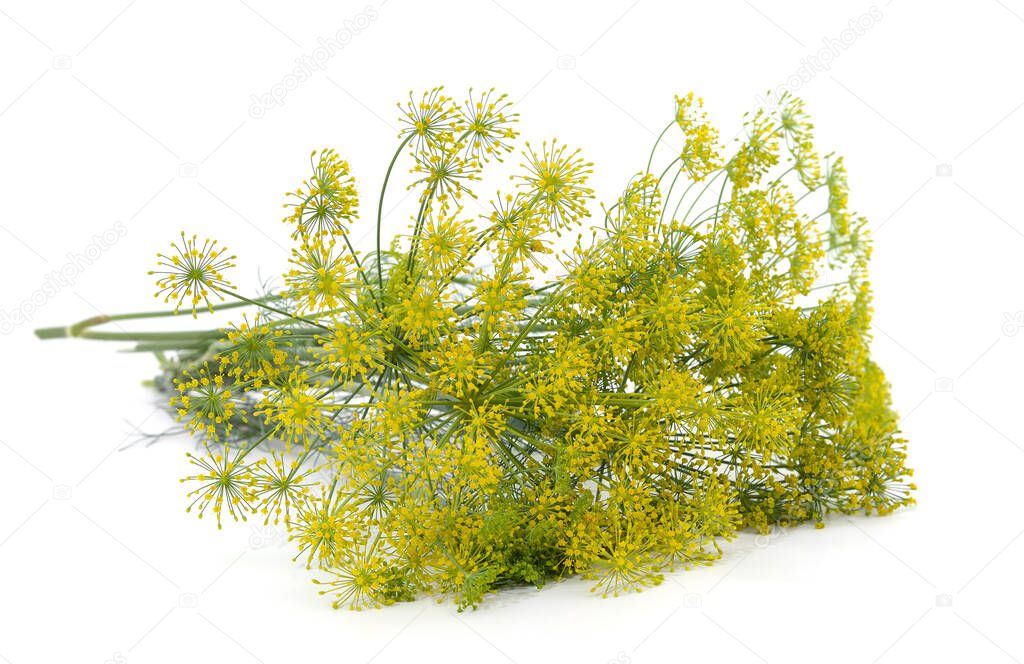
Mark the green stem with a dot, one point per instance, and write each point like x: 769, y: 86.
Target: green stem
x: 274, y: 309
x: 380, y: 211
x: 187, y: 336
x: 414, y: 242
x: 77, y: 329
x: 654, y: 148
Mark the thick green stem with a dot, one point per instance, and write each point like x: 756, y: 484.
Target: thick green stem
x: 78, y: 329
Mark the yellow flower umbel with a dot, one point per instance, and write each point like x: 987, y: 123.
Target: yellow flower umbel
x: 193, y: 273
x: 445, y: 172
x: 488, y: 122
x: 319, y: 274
x: 555, y: 183
x: 295, y: 413
x: 256, y: 351
x: 326, y: 201
x: 225, y: 483
x: 205, y: 401
x: 350, y: 353
x: 700, y: 155
x: 464, y: 408
x: 280, y: 485
x: 426, y: 120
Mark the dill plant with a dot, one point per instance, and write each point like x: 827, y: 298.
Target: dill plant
x: 440, y: 416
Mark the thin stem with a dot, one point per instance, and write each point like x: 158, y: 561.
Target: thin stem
x: 380, y: 211
x: 274, y: 309
x: 664, y: 131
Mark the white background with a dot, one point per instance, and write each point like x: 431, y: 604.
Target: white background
x: 138, y: 113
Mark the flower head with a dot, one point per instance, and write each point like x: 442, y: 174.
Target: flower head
x: 459, y: 367
x: 700, y: 155
x: 838, y: 200
x: 555, y: 182
x: 280, y: 486
x: 757, y: 154
x: 365, y: 578
x: 192, y: 273
x: 489, y: 125
x: 798, y: 131
x: 205, y: 401
x: 446, y: 242
x: 225, y: 482
x: 519, y: 236
x: 623, y: 558
x: 322, y: 529
x: 319, y: 273
x: 327, y: 200
x: 445, y: 172
x: 349, y: 352
x: 255, y: 351
x: 426, y: 120
x: 295, y: 411
x: 421, y: 315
